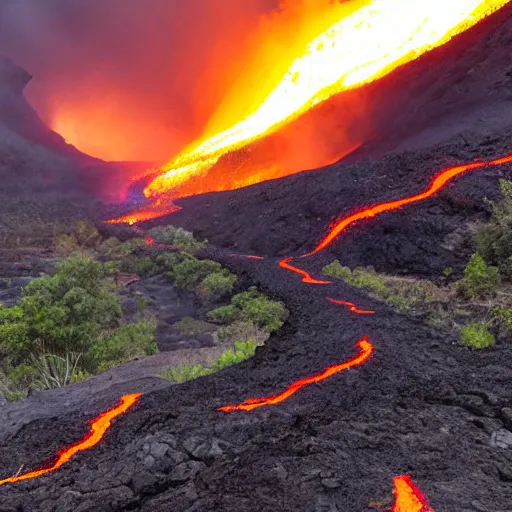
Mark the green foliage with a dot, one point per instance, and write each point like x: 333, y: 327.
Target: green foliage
x: 401, y: 293
x: 189, y: 273
x: 241, y: 331
x: 494, y: 239
x: 66, y: 245
x: 127, y: 343
x: 477, y: 336
x: 83, y: 236
x: 504, y: 317
x: 480, y: 279
x: 113, y: 249
x: 241, y: 352
x: 252, y: 306
x: 216, y: 286
x: 54, y: 371
x: 186, y: 373
x: 179, y: 237
x: 225, y: 314
x: 141, y: 266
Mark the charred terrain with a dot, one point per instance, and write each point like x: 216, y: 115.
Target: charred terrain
x: 421, y: 404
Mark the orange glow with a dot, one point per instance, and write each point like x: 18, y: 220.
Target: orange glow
x: 437, y: 184
x: 351, y: 307
x: 306, y: 277
x: 253, y: 403
x: 154, y: 211
x: 346, y: 46
x: 99, y: 426
x: 408, y: 497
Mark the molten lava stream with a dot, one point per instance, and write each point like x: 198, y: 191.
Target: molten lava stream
x: 99, y: 426
x: 253, y: 403
x: 437, y: 184
x: 306, y: 277
x: 408, y: 498
x: 352, y: 307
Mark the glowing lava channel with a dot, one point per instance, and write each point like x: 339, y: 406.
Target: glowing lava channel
x: 306, y: 277
x: 351, y: 307
x: 253, y: 403
x: 437, y: 184
x: 408, y: 498
x: 364, y: 45
x: 99, y: 426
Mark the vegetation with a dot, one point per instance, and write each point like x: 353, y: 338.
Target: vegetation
x: 401, y: 293
x: 252, y: 306
x: 67, y: 326
x: 480, y: 280
x: 183, y: 240
x: 241, y: 352
x: 477, y: 336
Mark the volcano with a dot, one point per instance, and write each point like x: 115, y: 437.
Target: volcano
x: 350, y: 396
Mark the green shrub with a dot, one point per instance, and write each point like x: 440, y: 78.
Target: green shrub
x: 189, y: 273
x: 86, y: 234
x: 54, y: 371
x: 163, y: 234
x: 225, y: 314
x: 216, y: 286
x: 494, y: 239
x: 477, y: 336
x: 66, y: 245
x: 252, y: 306
x: 241, y: 331
x: 179, y: 237
x: 113, y: 249
x: 504, y: 317
x: 127, y: 343
x: 141, y: 266
x: 186, y: 373
x: 480, y: 279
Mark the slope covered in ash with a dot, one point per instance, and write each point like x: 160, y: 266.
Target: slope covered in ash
x: 421, y: 405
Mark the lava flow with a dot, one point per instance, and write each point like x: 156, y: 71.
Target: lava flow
x: 365, y: 43
x: 99, y: 426
x: 253, y: 403
x: 408, y: 498
x: 352, y: 307
x: 437, y: 184
x: 306, y: 277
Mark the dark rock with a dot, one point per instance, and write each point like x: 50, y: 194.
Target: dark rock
x: 186, y: 471
x: 506, y: 416
x: 505, y: 473
x: 202, y: 449
x: 501, y: 439
x: 331, y: 483
x: 3, y: 400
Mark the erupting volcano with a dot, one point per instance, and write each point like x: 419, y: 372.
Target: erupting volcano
x: 364, y: 41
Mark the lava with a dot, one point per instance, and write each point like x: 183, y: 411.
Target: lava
x: 99, y: 426
x: 408, y: 498
x: 153, y: 211
x: 437, y: 184
x: 352, y: 307
x: 362, y: 45
x: 306, y: 277
x: 252, y: 403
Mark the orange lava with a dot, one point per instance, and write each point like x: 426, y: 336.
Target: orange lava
x: 306, y: 277
x: 99, y: 426
x: 154, y: 211
x: 351, y: 307
x: 346, y: 45
x: 253, y: 403
x: 246, y: 256
x: 408, y: 497
x: 437, y: 184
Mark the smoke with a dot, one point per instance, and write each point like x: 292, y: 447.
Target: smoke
x: 128, y: 79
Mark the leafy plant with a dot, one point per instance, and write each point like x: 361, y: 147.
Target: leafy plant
x: 54, y: 371
x: 477, y: 336
x: 216, y: 286
x: 479, y: 279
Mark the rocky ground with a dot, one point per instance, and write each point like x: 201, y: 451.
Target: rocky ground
x: 422, y: 405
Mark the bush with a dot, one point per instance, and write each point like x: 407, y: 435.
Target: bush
x: 480, y: 279
x: 127, y: 343
x: 113, y: 249
x: 216, y: 286
x: 189, y: 325
x: 494, y: 239
x: 141, y: 266
x: 252, y: 306
x: 241, y: 331
x: 179, y: 237
x: 504, y: 317
x: 189, y: 273
x: 477, y: 336
x: 186, y: 373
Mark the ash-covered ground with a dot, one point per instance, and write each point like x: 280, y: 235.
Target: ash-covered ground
x: 422, y: 405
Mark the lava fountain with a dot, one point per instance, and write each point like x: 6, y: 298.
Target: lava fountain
x: 367, y: 41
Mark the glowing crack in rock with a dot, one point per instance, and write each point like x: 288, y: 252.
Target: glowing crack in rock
x: 306, y: 277
x: 253, y: 403
x: 351, y: 307
x: 408, y: 498
x: 99, y: 426
x: 437, y: 184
